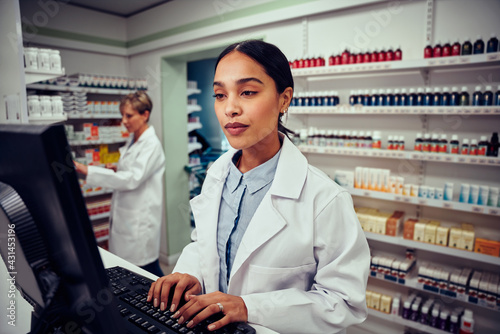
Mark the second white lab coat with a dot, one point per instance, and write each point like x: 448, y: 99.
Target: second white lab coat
x: 302, y: 266
x: 137, y: 202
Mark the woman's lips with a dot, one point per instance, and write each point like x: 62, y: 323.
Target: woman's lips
x: 236, y: 128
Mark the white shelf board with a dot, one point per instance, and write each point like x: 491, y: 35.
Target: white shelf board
x: 404, y: 322
x: 406, y: 155
x: 191, y: 91
x: 110, y: 91
x: 396, y: 110
x: 193, y: 147
x: 480, y: 60
x: 99, y: 216
x: 95, y: 116
x: 193, y: 126
x: 488, y: 259
x: 32, y: 76
x: 450, y: 205
x: 47, y: 120
x: 97, y: 193
x: 192, y: 108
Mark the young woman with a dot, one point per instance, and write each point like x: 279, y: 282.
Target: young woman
x: 137, y: 183
x: 277, y: 243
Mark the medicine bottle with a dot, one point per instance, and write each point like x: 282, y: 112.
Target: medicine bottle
x: 488, y: 96
x: 395, y: 306
x: 401, y: 143
x: 455, y: 49
x: 389, y: 55
x: 424, y: 315
x: 482, y: 146
x: 426, y: 143
x: 428, y: 51
x: 382, y: 98
x: 43, y: 60
x: 454, y: 144
x: 45, y: 106
x: 390, y: 143
x: 359, y: 57
x: 345, y: 57
x: 437, y: 50
x: 454, y: 96
x: 454, y: 325
x: 497, y: 97
x: 398, y: 54
x: 34, y: 106
x: 445, y: 97
x: 443, y: 144
x: 473, y: 147
x: 374, y: 98
x: 466, y: 47
x: 435, y: 143
x: 493, y: 146
x: 403, y: 101
x: 415, y: 311
x: 464, y: 97
x: 428, y: 98
x: 377, y: 140
x: 467, y: 322
x: 389, y: 97
x: 418, y: 142
x: 477, y: 97
x: 412, y: 97
x: 55, y: 60
x: 30, y: 58
x: 437, y: 97
x: 406, y: 309
x: 443, y: 320
x: 420, y: 96
x: 492, y: 45
x: 479, y: 45
x: 397, y: 97
x: 446, y: 51
x: 465, y: 147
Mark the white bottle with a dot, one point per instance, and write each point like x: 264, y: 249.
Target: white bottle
x: 55, y: 60
x: 34, y: 109
x: 45, y: 106
x: 467, y: 322
x: 395, y: 307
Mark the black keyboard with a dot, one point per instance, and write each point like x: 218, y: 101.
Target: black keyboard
x: 131, y: 292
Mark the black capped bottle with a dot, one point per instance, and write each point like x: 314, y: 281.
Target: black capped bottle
x: 418, y: 143
x: 454, y: 145
x: 466, y: 47
x: 488, y: 96
x: 445, y: 97
x: 492, y: 45
x: 497, y: 96
x: 477, y: 97
x: 482, y: 146
x: 429, y: 97
x: 478, y: 45
x: 465, y: 149
x: 473, y: 147
x: 464, y: 97
x: 443, y: 144
x: 426, y: 143
x: 454, y: 96
x: 437, y: 97
x: 493, y: 145
x: 434, y: 143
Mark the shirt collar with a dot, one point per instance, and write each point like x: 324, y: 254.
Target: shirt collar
x: 254, y: 179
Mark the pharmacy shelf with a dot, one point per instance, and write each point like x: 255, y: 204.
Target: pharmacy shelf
x: 404, y: 322
x: 193, y: 126
x: 48, y: 120
x: 95, y: 116
x: 193, y: 147
x: 192, y: 108
x: 100, y: 216
x: 32, y: 76
x: 396, y: 110
x: 191, y: 91
x: 329, y: 72
x: 413, y: 284
x: 96, y: 142
x: 97, y: 193
x: 91, y: 90
x: 451, y: 205
x: 405, y: 155
x: 488, y: 259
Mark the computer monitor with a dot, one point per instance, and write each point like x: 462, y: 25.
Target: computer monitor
x: 47, y: 242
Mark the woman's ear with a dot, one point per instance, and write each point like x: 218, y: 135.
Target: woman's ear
x: 286, y: 98
x: 146, y: 115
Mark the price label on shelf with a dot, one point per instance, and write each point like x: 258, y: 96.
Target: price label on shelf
x: 407, y: 199
x: 447, y: 205
x: 495, y: 212
x: 366, y: 193
x: 464, y: 60
x: 398, y: 198
x: 492, y: 56
x: 482, y: 161
x: 477, y: 209
x: 452, y: 60
x: 448, y: 159
x: 422, y: 201
x: 473, y: 160
x: 431, y: 62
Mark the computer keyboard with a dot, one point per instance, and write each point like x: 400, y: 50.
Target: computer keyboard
x: 131, y: 292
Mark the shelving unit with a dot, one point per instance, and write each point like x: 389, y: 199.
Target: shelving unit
x: 32, y: 76
x: 425, y: 165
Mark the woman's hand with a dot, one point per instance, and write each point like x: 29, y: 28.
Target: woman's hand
x: 112, y: 167
x: 180, y: 285
x: 81, y: 168
x: 198, y: 308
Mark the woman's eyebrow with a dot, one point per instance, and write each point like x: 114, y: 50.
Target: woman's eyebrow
x: 239, y: 81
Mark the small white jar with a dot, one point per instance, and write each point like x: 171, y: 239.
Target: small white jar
x: 45, y: 106
x: 57, y: 106
x: 43, y: 59
x: 34, y: 109
x: 30, y: 58
x: 55, y: 61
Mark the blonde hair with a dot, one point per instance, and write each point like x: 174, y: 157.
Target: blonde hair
x: 139, y: 101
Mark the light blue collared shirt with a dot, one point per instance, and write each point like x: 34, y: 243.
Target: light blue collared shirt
x: 241, y: 197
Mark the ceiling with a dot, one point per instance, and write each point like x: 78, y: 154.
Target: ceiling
x: 123, y: 8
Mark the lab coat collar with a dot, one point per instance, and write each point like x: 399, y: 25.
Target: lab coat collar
x: 292, y: 165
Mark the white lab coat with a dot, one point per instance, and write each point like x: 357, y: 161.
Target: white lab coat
x: 302, y: 266
x: 137, y: 202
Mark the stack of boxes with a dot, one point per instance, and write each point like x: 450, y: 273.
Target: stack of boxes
x: 375, y: 221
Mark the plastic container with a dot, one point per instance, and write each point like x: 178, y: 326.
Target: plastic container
x: 446, y: 51
x: 482, y: 146
x: 406, y: 309
x: 57, y: 105
x: 478, y: 45
x: 488, y: 96
x: 45, y: 106
x: 34, y: 108
x: 55, y: 61
x: 492, y: 45
x: 467, y: 322
x: 455, y: 49
x: 43, y: 59
x: 437, y: 51
x: 466, y: 47
x: 445, y: 97
x: 398, y: 54
x: 493, y: 146
x: 418, y: 142
x: 464, y: 97
x: 477, y: 97
x: 437, y: 97
x: 454, y: 145
x: 465, y: 147
x: 454, y: 97
x: 30, y: 58
x: 428, y: 51
x: 497, y: 97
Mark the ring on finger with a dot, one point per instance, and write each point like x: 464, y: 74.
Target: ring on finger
x: 221, y: 308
